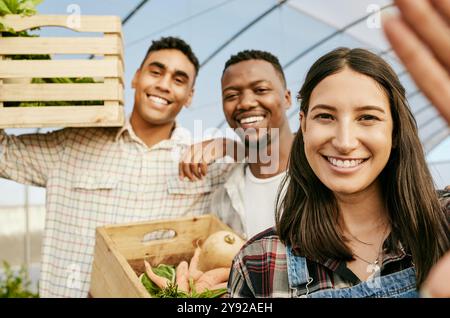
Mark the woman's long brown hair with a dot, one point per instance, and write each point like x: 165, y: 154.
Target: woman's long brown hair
x: 307, y: 213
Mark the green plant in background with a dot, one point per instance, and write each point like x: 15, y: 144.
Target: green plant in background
x: 28, y: 8
x: 15, y: 285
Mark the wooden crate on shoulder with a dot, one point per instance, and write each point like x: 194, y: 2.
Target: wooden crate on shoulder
x: 120, y: 251
x: 110, y: 68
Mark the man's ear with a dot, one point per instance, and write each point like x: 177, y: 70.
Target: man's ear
x: 189, y: 99
x: 135, y: 78
x: 287, y: 98
x: 302, y: 122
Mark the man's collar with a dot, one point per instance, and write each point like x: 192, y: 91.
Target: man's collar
x: 126, y: 127
x: 179, y: 134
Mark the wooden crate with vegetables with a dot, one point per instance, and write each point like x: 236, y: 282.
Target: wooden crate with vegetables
x: 38, y: 90
x: 192, y: 260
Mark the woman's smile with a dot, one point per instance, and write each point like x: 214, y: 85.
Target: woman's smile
x: 342, y: 165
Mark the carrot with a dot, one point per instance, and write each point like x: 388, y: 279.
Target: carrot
x: 182, y: 277
x: 161, y: 282
x: 194, y: 272
x: 211, y: 278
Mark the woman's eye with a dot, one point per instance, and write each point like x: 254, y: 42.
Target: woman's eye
x: 324, y: 116
x: 368, y: 117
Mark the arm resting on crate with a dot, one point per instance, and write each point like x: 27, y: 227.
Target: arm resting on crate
x: 29, y: 158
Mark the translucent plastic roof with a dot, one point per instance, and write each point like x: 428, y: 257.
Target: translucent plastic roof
x: 297, y: 31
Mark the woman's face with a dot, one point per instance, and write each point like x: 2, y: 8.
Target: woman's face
x: 347, y: 131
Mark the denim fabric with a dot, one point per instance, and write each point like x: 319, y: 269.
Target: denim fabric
x: 401, y: 284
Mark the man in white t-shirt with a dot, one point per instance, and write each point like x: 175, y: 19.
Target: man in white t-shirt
x: 255, y: 99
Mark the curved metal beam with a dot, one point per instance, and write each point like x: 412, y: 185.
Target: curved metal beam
x: 170, y: 26
x: 237, y: 34
x: 329, y: 37
x: 128, y: 17
x: 441, y: 134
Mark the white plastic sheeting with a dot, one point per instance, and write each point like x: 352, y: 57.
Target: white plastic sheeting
x: 339, y: 14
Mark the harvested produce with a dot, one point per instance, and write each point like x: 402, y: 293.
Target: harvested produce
x: 194, y: 272
x: 219, y: 249
x: 161, y: 270
x: 182, y: 276
x: 161, y: 282
x: 211, y: 284
x: 205, y: 276
x: 212, y: 278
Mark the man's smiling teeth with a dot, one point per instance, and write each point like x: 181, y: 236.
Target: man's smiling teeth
x: 344, y: 163
x: 158, y: 100
x: 251, y: 120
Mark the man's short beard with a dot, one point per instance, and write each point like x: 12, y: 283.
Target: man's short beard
x: 262, y: 150
x: 262, y: 142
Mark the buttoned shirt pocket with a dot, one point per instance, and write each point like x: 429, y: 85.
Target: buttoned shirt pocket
x: 96, y: 195
x: 187, y: 198
x: 89, y: 182
x: 177, y: 186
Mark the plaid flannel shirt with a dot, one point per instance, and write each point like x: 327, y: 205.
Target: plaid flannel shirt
x: 94, y: 177
x: 260, y: 269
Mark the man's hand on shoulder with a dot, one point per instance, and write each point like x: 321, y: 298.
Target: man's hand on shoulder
x: 195, y: 160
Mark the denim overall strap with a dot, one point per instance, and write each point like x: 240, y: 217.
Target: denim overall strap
x: 401, y: 284
x: 296, y: 268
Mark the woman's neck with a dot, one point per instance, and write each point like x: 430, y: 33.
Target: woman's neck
x: 363, y: 212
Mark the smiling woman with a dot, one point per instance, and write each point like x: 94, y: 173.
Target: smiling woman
x: 349, y: 132
x: 359, y: 194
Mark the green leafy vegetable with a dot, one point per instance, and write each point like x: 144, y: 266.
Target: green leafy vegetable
x: 171, y: 291
x: 22, y: 7
x: 162, y: 270
x: 166, y: 271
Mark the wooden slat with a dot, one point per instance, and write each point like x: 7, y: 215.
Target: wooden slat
x: 111, y: 24
x: 119, y: 280
x: 110, y: 80
x: 61, y: 68
x: 63, y: 45
x: 62, y: 116
x: 128, y: 238
x: 60, y: 92
x: 121, y: 71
